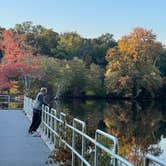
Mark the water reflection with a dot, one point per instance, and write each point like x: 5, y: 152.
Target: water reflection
x: 139, y: 126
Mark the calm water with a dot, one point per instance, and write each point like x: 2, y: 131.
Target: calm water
x: 139, y: 126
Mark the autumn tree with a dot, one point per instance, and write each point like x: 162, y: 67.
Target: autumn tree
x: 16, y: 64
x: 131, y: 68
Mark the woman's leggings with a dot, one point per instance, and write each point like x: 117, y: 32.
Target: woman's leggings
x: 36, y: 120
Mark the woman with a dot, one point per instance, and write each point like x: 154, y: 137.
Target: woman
x: 37, y: 111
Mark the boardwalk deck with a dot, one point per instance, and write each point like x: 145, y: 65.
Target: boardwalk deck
x: 16, y: 148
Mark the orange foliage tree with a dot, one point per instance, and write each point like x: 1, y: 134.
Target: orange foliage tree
x: 132, y: 64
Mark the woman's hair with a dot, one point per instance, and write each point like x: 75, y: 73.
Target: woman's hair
x: 43, y: 89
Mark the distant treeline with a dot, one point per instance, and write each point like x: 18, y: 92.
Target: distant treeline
x: 32, y: 56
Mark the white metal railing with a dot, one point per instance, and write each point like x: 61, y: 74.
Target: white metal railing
x: 152, y: 160
x: 4, y: 98
x: 55, y: 127
x: 10, y: 101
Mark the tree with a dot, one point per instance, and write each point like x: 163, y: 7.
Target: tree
x: 161, y: 64
x: 95, y: 85
x: 68, y: 45
x: 27, y: 27
x: 78, y: 78
x: 52, y: 69
x: 131, y: 67
x: 100, y: 47
x: 17, y: 63
x: 1, y: 38
x: 46, y: 42
x: 38, y: 39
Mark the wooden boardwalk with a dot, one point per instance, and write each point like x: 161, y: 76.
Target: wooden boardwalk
x: 16, y: 147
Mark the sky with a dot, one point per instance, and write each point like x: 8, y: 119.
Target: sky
x: 90, y: 18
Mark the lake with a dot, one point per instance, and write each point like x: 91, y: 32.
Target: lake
x: 139, y: 126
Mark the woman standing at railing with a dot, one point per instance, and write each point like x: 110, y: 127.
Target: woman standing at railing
x: 37, y: 111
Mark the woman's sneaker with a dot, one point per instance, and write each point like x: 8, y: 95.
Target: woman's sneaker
x: 36, y: 134
x: 30, y: 133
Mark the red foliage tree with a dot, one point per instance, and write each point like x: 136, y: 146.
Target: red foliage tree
x: 17, y: 63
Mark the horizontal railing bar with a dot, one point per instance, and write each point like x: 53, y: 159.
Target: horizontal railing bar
x: 154, y: 159
x: 61, y: 113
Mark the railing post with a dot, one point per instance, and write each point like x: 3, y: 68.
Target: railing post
x: 62, y: 118
x: 73, y: 145
x: 43, y: 115
x: 46, y: 121
x: 51, y: 125
x: 8, y: 101
x: 42, y: 120
x: 55, y: 125
x: 83, y: 141
x: 96, y: 151
x: 116, y: 152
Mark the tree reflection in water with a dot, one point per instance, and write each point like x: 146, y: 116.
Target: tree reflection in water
x: 137, y: 125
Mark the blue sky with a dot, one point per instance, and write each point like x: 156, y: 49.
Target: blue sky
x: 90, y: 18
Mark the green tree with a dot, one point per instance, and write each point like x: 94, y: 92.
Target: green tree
x: 46, y: 42
x: 100, y: 47
x: 51, y: 73
x: 95, y: 85
x: 28, y: 27
x: 68, y: 45
x: 161, y: 64
x: 38, y: 39
x: 77, y: 75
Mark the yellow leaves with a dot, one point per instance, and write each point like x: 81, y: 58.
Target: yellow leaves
x: 113, y: 54
x: 14, y: 88
x: 123, y: 80
x: 107, y: 72
x: 140, y: 43
x: 67, y: 66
